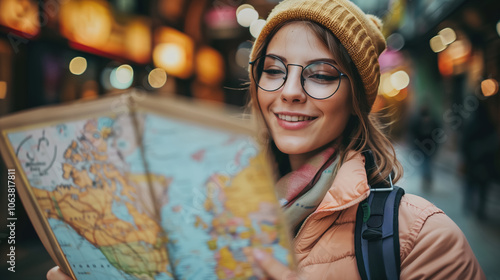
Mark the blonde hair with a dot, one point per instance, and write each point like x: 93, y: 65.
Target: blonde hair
x: 363, y: 131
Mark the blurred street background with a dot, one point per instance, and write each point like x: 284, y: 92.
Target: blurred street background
x: 439, y: 86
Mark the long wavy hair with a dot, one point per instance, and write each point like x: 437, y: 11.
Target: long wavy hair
x: 363, y: 131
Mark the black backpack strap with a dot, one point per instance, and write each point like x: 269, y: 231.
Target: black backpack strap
x: 377, y: 237
x: 363, y: 210
x: 376, y: 232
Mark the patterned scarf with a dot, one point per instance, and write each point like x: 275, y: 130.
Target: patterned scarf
x: 303, y: 190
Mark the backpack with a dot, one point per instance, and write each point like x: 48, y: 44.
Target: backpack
x: 376, y: 233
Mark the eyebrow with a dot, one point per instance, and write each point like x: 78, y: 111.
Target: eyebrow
x: 329, y: 60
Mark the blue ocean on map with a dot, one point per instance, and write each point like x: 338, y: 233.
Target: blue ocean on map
x: 87, y: 261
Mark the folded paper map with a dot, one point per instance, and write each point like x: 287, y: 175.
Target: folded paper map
x: 142, y: 187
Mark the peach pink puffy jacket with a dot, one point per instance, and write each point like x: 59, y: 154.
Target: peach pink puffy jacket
x: 432, y: 246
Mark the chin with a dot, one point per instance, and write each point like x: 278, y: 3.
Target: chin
x: 293, y: 148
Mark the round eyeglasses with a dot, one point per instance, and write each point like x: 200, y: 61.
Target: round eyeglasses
x: 320, y: 80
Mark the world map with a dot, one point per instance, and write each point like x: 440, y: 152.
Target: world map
x: 176, y: 201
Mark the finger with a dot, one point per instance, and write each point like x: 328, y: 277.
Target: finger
x: 272, y: 267
x: 56, y: 273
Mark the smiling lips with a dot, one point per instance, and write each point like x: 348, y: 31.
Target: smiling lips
x: 293, y: 121
x: 295, y: 118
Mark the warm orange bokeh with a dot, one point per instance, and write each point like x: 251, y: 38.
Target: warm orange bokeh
x: 91, y: 23
x: 20, y: 15
x: 173, y: 52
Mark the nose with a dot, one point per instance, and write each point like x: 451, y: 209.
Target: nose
x: 292, y: 90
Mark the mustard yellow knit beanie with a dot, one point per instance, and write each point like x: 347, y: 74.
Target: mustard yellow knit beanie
x: 358, y: 32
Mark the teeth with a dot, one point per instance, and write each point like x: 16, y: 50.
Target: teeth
x: 294, y: 118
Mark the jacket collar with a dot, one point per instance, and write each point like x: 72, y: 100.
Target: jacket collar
x: 349, y: 187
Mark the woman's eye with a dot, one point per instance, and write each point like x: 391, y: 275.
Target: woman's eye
x: 322, y: 78
x: 273, y: 72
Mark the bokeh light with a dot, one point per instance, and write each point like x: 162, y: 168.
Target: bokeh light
x: 448, y: 36
x: 256, y: 27
x: 386, y: 87
x: 396, y: 41
x: 157, y: 78
x: 246, y: 16
x: 385, y: 83
x: 21, y: 15
x: 78, y: 65
x: 400, y: 80
x: 138, y: 41
x: 124, y: 73
x: 436, y: 44
x: 489, y: 87
x: 122, y: 77
x: 209, y: 66
x: 170, y: 56
x: 87, y: 22
x: 244, y: 6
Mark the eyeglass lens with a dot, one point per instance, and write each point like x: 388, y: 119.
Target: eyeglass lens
x: 320, y: 80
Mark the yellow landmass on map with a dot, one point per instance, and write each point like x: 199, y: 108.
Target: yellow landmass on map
x: 249, y: 189
x: 87, y: 206
x: 249, y: 196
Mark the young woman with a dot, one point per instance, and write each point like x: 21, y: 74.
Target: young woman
x: 314, y: 77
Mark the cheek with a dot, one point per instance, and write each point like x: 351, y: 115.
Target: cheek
x: 264, y: 100
x: 338, y: 113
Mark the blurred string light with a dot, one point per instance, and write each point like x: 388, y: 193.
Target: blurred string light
x: 447, y: 35
x: 209, y: 66
x: 498, y: 28
x: 89, y: 23
x: 121, y: 77
x: 246, y: 16
x: 444, y: 38
x: 437, y: 44
x: 489, y: 87
x: 137, y: 41
x: 386, y: 86
x: 169, y: 55
x: 21, y: 15
x: 256, y: 27
x: 174, y: 52
x: 78, y: 65
x: 124, y: 73
x: 400, y: 80
x: 396, y: 41
x: 244, y: 6
x: 3, y: 89
x: 393, y: 84
x: 157, y: 78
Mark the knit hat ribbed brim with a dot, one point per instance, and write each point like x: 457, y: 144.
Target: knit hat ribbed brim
x: 359, y: 33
